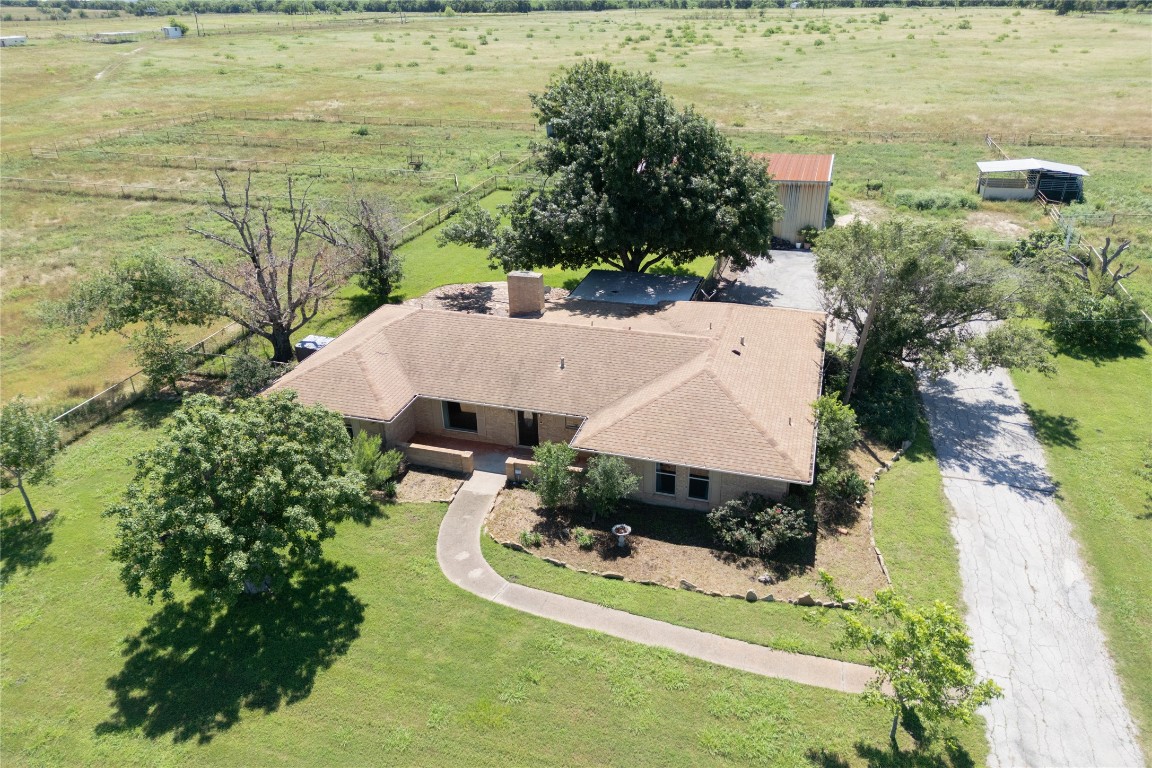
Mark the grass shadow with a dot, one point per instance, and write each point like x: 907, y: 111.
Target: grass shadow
x: 23, y: 543
x: 1053, y: 429
x: 193, y: 670
x: 151, y: 413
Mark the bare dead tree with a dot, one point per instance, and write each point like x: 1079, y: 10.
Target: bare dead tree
x: 1101, y: 275
x: 274, y: 289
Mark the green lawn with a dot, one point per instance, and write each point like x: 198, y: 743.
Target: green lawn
x: 371, y: 658
x: 911, y: 526
x: 1094, y: 420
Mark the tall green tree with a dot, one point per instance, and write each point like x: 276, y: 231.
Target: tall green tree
x: 915, y: 293
x: 29, y: 443
x: 629, y: 181
x: 921, y: 657
x: 236, y: 497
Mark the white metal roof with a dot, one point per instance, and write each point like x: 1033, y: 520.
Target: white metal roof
x: 1029, y: 164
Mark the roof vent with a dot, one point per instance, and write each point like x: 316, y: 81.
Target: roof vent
x: 561, y: 363
x: 741, y: 341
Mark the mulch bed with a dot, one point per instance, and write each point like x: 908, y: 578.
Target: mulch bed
x: 668, y: 545
x: 426, y: 485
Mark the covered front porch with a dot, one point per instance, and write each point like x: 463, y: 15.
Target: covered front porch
x: 454, y: 454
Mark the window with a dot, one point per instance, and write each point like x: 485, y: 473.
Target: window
x: 698, y: 484
x: 455, y: 417
x: 666, y: 479
x: 572, y: 422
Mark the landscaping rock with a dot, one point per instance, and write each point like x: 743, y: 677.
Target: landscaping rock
x: 581, y: 570
x: 766, y: 579
x: 751, y: 596
x: 769, y: 598
x: 849, y: 604
x: 554, y: 561
x: 734, y: 596
x: 714, y: 594
x: 515, y: 545
x: 830, y: 604
x: 687, y: 585
x: 805, y: 599
x: 611, y: 575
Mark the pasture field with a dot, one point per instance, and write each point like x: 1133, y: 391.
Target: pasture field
x: 853, y: 82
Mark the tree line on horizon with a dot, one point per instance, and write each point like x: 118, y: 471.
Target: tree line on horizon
x: 165, y: 7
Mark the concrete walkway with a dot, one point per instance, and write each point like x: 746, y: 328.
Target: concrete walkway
x: 1030, y: 611
x: 458, y: 550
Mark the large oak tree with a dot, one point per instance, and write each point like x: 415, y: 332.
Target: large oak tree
x: 629, y: 181
x: 236, y: 497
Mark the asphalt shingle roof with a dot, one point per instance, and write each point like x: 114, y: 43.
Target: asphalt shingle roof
x: 718, y: 386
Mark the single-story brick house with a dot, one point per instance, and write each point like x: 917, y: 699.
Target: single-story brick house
x: 704, y: 400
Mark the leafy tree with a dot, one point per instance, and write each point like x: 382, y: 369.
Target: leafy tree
x: 920, y: 656
x: 1095, y: 270
x: 1084, y: 320
x: 29, y: 442
x: 629, y: 182
x: 250, y: 374
x: 836, y: 430
x: 380, y: 269
x: 235, y: 497
x: 913, y: 292
x: 162, y: 360
x: 175, y: 22
x: 273, y: 290
x: 757, y: 526
x: 1035, y: 245
x: 141, y: 288
x: 551, y: 479
x: 607, y: 480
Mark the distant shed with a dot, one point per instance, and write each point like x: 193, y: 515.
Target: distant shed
x: 803, y: 186
x: 7, y: 41
x: 172, y: 33
x: 1023, y: 179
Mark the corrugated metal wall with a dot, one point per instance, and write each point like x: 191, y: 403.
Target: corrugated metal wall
x: 805, y: 205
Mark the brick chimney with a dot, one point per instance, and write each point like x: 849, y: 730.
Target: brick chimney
x: 525, y: 294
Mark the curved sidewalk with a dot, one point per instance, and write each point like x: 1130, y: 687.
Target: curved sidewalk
x: 458, y: 550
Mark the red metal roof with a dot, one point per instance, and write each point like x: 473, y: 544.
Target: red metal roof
x: 798, y: 167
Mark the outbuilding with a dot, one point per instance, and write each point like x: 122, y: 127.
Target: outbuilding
x: 1024, y: 179
x: 803, y: 186
x: 172, y: 33
x: 7, y: 41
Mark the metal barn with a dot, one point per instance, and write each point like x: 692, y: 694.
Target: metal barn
x: 803, y: 185
x: 1024, y: 179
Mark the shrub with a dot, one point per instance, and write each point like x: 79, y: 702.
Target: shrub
x: 607, y: 480
x: 380, y: 470
x: 162, y: 359
x: 552, y: 481
x: 250, y: 374
x: 1037, y: 243
x: 584, y: 539
x: 754, y: 525
x: 885, y: 403
x: 1085, y: 321
x: 839, y: 490
x: 531, y: 539
x: 934, y: 199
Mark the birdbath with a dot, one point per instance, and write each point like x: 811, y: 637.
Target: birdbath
x: 621, y: 532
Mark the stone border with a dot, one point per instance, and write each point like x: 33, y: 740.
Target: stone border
x: 884, y: 467
x: 805, y: 600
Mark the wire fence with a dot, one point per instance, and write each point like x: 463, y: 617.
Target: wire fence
x: 317, y: 170
x: 80, y: 419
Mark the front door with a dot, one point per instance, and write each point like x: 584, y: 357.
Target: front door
x: 528, y: 428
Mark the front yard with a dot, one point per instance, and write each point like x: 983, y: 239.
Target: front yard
x: 372, y: 658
